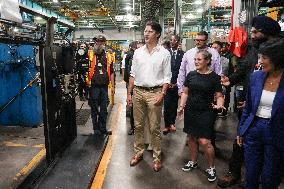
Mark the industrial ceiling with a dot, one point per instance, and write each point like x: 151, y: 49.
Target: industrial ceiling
x: 103, y: 14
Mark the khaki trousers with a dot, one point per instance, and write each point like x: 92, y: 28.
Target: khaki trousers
x: 143, y: 106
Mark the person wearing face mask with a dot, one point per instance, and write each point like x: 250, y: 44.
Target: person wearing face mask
x: 264, y: 29
x: 82, y: 67
x: 100, y: 74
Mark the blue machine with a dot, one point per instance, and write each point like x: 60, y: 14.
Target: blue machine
x: 17, y: 69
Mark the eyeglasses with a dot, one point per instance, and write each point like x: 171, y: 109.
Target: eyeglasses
x: 199, y: 39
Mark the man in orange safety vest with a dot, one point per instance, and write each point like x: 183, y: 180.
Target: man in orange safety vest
x: 99, y: 76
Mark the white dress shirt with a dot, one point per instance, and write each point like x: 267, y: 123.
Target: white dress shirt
x: 150, y: 70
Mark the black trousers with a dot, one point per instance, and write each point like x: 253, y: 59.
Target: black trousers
x: 236, y: 160
x: 170, y: 106
x: 99, y: 102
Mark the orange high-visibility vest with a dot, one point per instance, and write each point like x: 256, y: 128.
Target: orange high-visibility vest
x: 92, y: 66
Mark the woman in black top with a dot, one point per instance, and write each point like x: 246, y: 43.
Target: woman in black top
x: 197, y: 102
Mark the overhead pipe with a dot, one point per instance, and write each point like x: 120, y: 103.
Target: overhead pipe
x: 110, y: 17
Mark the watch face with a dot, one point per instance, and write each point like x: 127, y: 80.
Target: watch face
x: 81, y: 52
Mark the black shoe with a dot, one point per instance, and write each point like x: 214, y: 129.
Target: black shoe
x: 97, y: 132
x: 131, y: 132
x: 106, y: 132
x: 211, y: 174
x: 189, y: 166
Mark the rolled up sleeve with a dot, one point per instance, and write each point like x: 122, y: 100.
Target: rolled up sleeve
x: 167, y: 69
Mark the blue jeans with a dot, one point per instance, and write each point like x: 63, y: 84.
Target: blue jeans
x: 262, y: 159
x: 99, y: 103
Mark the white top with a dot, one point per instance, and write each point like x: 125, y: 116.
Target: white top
x: 153, y: 69
x: 265, y: 104
x: 123, y: 62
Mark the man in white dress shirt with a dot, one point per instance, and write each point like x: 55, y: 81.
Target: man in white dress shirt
x: 149, y: 79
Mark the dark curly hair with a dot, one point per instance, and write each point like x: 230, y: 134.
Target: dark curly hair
x: 275, y: 52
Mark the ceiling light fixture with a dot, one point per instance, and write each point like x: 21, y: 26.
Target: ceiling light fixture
x: 128, y: 8
x: 55, y: 1
x: 38, y: 18
x: 227, y: 16
x: 199, y: 10
x: 198, y: 2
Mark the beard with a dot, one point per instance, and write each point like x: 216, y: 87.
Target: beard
x: 98, y: 49
x: 257, y: 42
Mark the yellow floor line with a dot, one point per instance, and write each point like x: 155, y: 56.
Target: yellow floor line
x: 31, y: 165
x: 12, y: 144
x: 101, y: 172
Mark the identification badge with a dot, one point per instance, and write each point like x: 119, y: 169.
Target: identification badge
x: 101, y: 72
x: 99, y: 64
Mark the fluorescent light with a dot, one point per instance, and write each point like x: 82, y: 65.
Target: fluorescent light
x: 55, y: 1
x: 190, y: 16
x: 227, y: 16
x: 16, y: 29
x: 198, y: 2
x: 38, y: 18
x: 199, y: 10
x: 128, y: 8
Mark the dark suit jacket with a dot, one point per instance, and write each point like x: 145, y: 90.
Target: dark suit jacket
x: 175, y: 65
x: 254, y: 92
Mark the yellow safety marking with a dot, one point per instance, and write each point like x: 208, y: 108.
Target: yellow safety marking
x: 31, y: 165
x: 12, y: 144
x: 101, y: 172
x: 38, y: 146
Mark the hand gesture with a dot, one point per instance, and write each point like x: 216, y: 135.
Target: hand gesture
x: 218, y: 107
x: 239, y: 140
x: 180, y: 111
x: 241, y: 105
x: 159, y: 99
x: 129, y: 100
x: 225, y: 80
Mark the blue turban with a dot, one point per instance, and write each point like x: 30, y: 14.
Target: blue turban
x: 266, y: 25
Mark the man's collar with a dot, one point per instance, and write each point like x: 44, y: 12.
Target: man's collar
x: 156, y: 48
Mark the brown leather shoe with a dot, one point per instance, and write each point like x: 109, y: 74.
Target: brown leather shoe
x: 227, y: 180
x: 135, y: 160
x: 157, y: 165
x: 166, y: 130
x: 173, y: 128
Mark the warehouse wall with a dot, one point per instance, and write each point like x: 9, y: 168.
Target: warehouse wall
x: 109, y: 34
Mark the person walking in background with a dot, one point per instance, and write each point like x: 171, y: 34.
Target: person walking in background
x: 149, y: 80
x: 171, y: 98
x: 262, y: 121
x: 126, y: 71
x: 227, y: 69
x: 197, y: 101
x: 188, y: 64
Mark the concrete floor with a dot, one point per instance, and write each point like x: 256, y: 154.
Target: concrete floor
x: 119, y: 175
x: 18, y: 146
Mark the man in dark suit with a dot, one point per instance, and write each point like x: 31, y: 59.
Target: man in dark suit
x: 171, y: 98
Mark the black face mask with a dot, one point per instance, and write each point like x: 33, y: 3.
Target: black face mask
x: 256, y: 43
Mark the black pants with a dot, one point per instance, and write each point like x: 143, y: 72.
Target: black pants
x: 236, y: 160
x: 82, y: 88
x: 99, y: 103
x: 170, y: 106
x: 227, y: 97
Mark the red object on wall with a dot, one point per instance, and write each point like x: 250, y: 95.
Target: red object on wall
x: 238, y: 39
